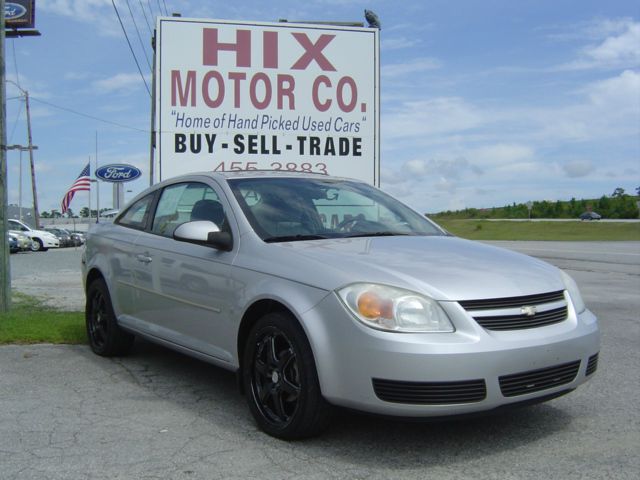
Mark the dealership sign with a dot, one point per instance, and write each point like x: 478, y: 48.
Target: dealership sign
x: 19, y: 13
x: 117, y: 173
x: 267, y: 96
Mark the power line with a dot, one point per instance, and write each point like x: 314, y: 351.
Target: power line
x: 130, y: 47
x: 15, y: 124
x: 159, y: 7
x: 166, y: 12
x: 15, y: 61
x: 150, y: 11
x: 139, y: 36
x: 144, y: 14
x: 86, y: 115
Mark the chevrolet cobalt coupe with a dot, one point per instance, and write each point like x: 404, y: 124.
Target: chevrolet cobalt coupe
x: 321, y: 292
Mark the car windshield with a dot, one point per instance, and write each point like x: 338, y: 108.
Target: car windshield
x: 287, y: 209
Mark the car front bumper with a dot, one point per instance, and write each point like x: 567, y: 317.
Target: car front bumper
x: 50, y: 242
x: 441, y: 374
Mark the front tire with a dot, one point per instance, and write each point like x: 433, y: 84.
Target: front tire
x: 37, y: 246
x: 106, y: 338
x: 281, y: 381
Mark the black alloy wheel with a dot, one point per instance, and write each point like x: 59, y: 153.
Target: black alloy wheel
x: 276, y: 378
x: 106, y: 338
x: 281, y: 381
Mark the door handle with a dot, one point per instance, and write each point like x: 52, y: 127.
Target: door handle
x: 143, y: 258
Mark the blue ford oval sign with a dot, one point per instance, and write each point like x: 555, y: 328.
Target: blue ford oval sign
x: 118, y: 173
x: 13, y: 11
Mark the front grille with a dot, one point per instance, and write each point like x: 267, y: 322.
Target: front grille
x: 592, y: 364
x: 517, y: 313
x: 430, y: 393
x: 510, y: 302
x: 518, y: 322
x: 537, y: 380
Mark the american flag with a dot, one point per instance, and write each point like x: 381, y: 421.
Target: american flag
x: 83, y: 182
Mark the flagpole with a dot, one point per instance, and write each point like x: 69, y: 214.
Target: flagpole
x: 89, y: 194
x: 97, y: 183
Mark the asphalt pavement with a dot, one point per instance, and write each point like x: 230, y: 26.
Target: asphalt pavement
x: 68, y: 414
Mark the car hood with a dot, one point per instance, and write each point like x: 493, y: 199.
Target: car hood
x: 43, y: 233
x: 445, y: 268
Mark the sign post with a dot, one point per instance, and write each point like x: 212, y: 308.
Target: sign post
x: 267, y: 96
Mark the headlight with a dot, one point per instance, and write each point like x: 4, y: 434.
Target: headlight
x: 574, y: 293
x: 394, y: 309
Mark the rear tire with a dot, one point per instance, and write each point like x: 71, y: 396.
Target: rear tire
x: 280, y: 379
x: 106, y: 338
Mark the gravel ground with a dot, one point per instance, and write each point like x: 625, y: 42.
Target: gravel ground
x: 52, y: 276
x: 155, y: 414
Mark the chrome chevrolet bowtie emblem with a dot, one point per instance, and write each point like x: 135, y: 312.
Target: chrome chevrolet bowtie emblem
x: 529, y: 311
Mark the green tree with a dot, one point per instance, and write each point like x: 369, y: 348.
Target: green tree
x: 618, y: 192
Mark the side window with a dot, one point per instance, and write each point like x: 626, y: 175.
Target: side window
x: 17, y: 226
x: 186, y: 202
x: 137, y: 214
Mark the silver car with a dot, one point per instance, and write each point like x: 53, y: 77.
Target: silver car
x: 321, y: 292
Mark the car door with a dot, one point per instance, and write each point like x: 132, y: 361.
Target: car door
x: 185, y: 291
x: 119, y: 239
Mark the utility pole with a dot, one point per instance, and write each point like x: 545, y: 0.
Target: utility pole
x: 5, y: 265
x: 21, y: 149
x: 31, y: 148
x: 36, y: 212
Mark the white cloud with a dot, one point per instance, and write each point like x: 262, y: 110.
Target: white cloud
x: 501, y: 154
x: 621, y: 92
x: 416, y: 65
x: 397, y: 43
x: 122, y: 82
x: 430, y: 117
x: 101, y: 14
x: 619, y: 49
x: 578, y: 168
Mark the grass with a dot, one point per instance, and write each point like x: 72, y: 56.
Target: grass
x: 562, y: 231
x: 29, y: 321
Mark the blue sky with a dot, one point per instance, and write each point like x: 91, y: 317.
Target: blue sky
x: 482, y: 103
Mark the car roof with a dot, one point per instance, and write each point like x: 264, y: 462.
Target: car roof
x: 224, y: 176
x: 270, y: 173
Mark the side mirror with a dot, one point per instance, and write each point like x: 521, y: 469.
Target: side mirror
x: 204, y: 232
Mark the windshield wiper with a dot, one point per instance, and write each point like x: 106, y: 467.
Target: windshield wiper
x: 294, y: 238
x: 386, y: 233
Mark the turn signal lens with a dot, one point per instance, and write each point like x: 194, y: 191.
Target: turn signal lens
x: 394, y: 309
x: 370, y: 305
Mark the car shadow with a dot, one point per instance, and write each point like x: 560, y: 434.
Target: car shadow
x: 211, y: 394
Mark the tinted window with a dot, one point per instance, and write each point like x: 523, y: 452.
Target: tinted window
x: 281, y: 209
x: 186, y: 202
x: 136, y: 215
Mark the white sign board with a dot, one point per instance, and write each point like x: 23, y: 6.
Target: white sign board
x: 266, y: 96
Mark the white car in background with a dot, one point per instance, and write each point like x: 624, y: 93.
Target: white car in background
x: 42, y: 240
x: 23, y: 241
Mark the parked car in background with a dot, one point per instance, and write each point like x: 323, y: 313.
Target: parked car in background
x: 590, y: 216
x: 24, y: 241
x: 41, y: 239
x: 78, y: 238
x: 63, y: 236
x: 13, y: 243
x: 321, y: 291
